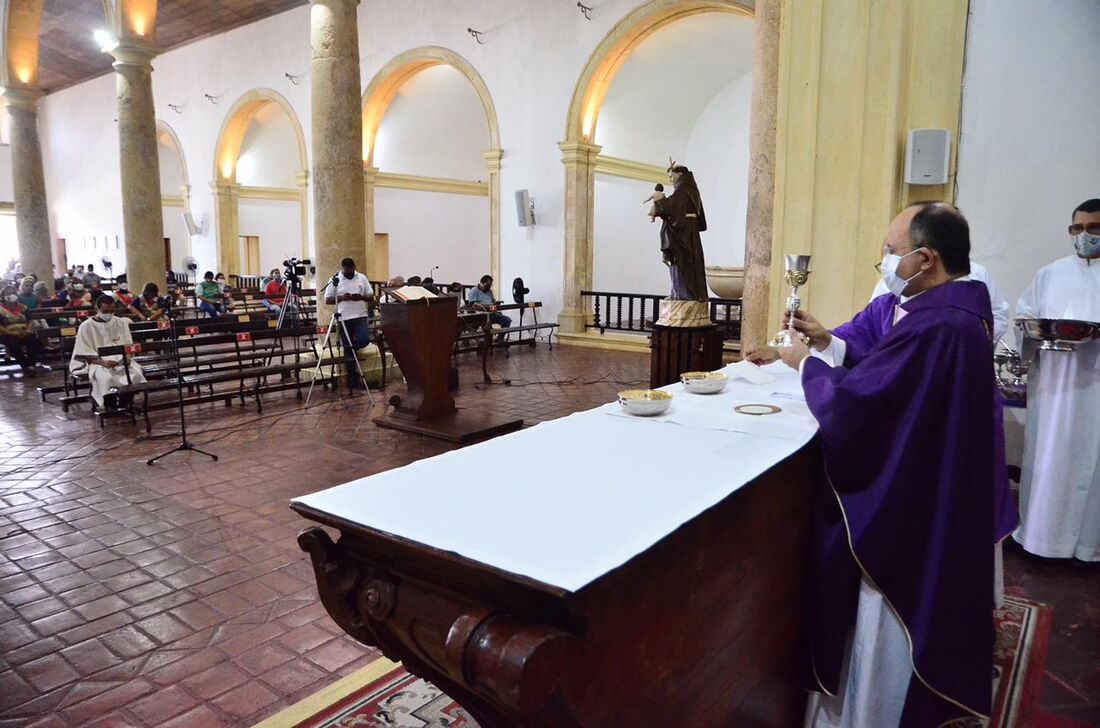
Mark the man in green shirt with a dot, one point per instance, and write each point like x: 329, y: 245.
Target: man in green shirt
x: 210, y: 295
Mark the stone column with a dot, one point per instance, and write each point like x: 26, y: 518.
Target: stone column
x: 142, y: 217
x: 226, y: 205
x: 339, y: 226
x: 579, y: 159
x: 756, y: 324
x: 32, y: 221
x: 301, y: 178
x: 492, y: 164
x: 372, y: 268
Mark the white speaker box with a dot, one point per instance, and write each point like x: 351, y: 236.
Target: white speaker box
x: 927, y: 155
x: 189, y: 221
x: 525, y: 211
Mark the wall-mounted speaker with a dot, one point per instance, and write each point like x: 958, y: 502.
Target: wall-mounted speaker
x: 192, y: 228
x: 525, y: 208
x: 927, y: 155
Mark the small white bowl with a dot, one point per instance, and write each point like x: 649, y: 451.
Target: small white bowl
x: 704, y: 382
x: 645, y: 402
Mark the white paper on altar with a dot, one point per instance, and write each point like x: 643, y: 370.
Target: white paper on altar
x: 568, y: 500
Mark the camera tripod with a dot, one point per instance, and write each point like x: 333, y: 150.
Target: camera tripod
x: 336, y: 322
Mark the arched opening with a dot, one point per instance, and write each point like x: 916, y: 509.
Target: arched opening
x: 175, y: 192
x: 672, y: 78
x: 431, y: 151
x: 260, y: 186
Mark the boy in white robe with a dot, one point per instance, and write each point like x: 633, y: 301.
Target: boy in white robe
x: 1060, y: 483
x: 104, y: 329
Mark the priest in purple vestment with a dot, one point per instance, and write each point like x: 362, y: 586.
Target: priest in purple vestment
x: 916, y: 493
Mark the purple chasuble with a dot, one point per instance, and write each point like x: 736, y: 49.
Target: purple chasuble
x: 914, y: 453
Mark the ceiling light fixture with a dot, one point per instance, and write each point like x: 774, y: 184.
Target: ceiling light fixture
x: 586, y: 11
x: 176, y: 108
x: 292, y: 78
x: 477, y: 35
x: 212, y: 99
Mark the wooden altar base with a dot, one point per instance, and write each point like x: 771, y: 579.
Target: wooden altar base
x: 462, y: 426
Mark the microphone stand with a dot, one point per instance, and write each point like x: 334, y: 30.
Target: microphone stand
x: 184, y: 445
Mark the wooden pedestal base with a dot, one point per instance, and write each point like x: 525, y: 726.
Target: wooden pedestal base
x: 461, y: 426
x: 679, y: 349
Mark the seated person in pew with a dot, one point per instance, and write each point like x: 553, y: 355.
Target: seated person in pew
x: 147, y: 306
x: 123, y: 295
x: 78, y: 296
x: 227, y: 298
x: 211, y: 297
x: 16, y: 333
x: 275, y: 293
x: 915, y: 494
x: 104, y: 329
x: 480, y: 298
x: 26, y: 292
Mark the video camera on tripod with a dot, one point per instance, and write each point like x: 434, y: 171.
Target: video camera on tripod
x: 293, y: 271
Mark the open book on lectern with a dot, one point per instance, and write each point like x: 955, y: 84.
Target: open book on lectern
x: 412, y: 293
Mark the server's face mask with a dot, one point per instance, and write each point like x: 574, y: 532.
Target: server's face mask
x: 1087, y: 246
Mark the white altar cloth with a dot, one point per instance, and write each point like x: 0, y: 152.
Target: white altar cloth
x: 566, y: 501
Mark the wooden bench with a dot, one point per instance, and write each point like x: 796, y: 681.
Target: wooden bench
x: 249, y: 362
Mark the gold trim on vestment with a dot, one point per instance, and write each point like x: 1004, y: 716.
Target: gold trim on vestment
x: 905, y: 627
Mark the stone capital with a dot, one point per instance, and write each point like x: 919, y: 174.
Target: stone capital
x: 301, y: 178
x: 225, y: 188
x: 578, y: 152
x: 130, y: 54
x: 370, y: 174
x: 353, y: 3
x: 22, y: 97
x: 492, y: 159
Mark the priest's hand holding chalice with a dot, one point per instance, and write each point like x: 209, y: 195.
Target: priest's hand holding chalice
x: 800, y: 329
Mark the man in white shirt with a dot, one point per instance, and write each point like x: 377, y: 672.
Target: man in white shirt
x: 104, y: 329
x: 1060, y: 484
x: 997, y: 299
x: 350, y: 292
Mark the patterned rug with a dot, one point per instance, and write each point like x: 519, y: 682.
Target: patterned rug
x: 384, y: 695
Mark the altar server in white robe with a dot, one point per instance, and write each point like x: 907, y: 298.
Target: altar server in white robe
x: 1060, y: 485
x: 104, y: 329
x: 1000, y: 304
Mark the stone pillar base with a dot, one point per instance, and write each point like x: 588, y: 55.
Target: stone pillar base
x: 691, y: 314
x: 573, y: 322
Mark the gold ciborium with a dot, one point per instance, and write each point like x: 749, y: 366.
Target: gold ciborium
x: 797, y: 272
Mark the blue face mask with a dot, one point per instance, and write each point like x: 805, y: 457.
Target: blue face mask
x: 1087, y: 246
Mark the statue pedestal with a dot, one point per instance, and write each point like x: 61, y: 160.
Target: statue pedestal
x: 684, y: 340
x: 690, y: 314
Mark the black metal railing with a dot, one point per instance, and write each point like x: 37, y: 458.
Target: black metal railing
x: 636, y: 312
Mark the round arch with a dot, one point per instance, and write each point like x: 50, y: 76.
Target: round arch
x: 168, y: 131
x: 377, y: 98
x: 235, y: 126
x: 181, y: 197
x: 621, y: 40
x: 385, y: 84
x: 580, y: 155
x: 227, y: 191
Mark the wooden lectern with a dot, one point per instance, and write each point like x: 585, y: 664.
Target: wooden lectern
x: 421, y: 333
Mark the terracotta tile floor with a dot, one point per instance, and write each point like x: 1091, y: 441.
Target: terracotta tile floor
x: 177, y: 596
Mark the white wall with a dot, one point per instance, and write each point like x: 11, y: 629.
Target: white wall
x: 435, y: 126
x: 175, y: 229
x: 427, y: 229
x: 627, y: 252
x: 278, y: 223
x: 1029, y: 149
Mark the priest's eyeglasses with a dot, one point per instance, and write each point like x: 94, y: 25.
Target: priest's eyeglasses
x: 1093, y: 228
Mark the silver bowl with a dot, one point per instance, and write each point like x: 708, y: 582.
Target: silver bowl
x: 1058, y: 334
x: 645, y: 402
x: 704, y: 382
